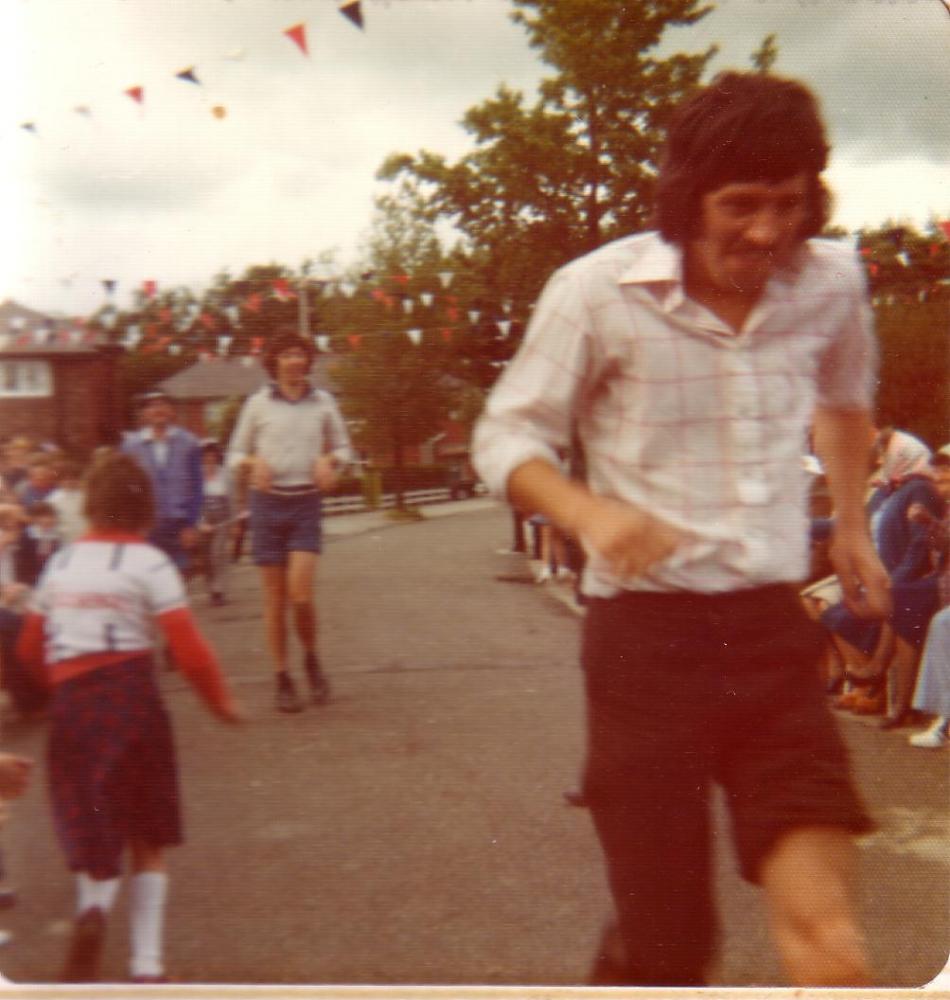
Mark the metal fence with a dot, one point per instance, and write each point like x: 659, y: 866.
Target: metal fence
x: 412, y: 498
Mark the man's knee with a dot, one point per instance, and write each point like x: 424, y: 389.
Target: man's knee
x: 808, y: 879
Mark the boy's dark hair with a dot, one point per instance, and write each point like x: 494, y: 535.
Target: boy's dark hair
x: 284, y: 340
x: 118, y: 494
x: 743, y: 127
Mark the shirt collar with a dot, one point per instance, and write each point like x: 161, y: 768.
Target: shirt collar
x: 275, y: 393
x: 149, y: 435
x: 661, y: 264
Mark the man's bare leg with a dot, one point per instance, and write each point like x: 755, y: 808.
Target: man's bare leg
x: 809, y: 885
x: 301, y: 585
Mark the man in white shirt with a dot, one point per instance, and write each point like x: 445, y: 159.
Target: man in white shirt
x: 291, y: 440
x: 692, y: 362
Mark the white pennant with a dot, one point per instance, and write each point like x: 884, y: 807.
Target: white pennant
x: 473, y: 315
x: 407, y: 305
x: 174, y: 348
x: 348, y: 289
x: 427, y: 298
x: 504, y: 325
x: 446, y: 278
x: 224, y: 342
x: 322, y: 340
x: 415, y: 336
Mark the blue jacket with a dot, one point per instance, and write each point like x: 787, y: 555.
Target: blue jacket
x: 904, y: 547
x: 177, y: 483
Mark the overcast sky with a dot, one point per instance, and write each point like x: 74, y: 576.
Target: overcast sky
x: 167, y: 191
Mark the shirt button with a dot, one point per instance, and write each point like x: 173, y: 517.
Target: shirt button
x: 752, y: 491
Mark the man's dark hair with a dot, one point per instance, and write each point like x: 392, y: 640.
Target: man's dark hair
x: 284, y: 341
x: 118, y: 494
x: 743, y: 127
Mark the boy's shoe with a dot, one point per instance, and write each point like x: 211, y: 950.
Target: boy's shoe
x: 85, y: 948
x: 287, y: 699
x: 319, y: 685
x: 933, y: 738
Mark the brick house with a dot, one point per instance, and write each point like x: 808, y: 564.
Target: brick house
x: 57, y: 381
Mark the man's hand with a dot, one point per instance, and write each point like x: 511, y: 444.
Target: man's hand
x: 864, y: 581
x: 326, y: 473
x: 628, y: 538
x: 189, y: 537
x: 261, y: 476
x: 14, y: 775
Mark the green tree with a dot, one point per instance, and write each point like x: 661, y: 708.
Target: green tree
x: 394, y: 391
x: 553, y: 179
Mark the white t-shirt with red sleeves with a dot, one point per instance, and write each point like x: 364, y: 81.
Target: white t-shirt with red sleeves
x: 101, y: 596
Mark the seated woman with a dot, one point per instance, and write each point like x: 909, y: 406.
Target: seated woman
x: 932, y: 694
x: 904, y: 547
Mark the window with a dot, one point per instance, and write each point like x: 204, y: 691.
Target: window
x: 25, y: 378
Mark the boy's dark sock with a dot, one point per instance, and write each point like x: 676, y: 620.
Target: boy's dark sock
x: 319, y: 685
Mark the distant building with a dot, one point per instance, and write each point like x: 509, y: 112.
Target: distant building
x: 57, y: 381
x: 203, y: 391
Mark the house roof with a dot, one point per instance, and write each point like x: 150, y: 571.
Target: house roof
x: 225, y: 378
x: 26, y: 332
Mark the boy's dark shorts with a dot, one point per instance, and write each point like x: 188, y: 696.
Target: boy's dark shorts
x: 684, y: 690
x: 284, y: 523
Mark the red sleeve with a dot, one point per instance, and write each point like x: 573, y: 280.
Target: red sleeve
x: 29, y: 645
x: 194, y: 657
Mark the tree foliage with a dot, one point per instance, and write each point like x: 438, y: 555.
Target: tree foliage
x: 551, y: 179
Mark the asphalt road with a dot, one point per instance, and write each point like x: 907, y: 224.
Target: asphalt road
x: 413, y: 831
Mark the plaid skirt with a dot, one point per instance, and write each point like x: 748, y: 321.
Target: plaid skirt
x: 111, y: 766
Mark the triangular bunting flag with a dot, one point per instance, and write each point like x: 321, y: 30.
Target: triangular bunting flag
x: 407, y: 305
x: 504, y: 326
x: 446, y: 278
x: 174, y: 348
x: 188, y: 75
x: 282, y: 289
x: 354, y: 340
x: 506, y: 306
x: 446, y: 335
x: 322, y: 341
x: 351, y: 10
x: 415, y: 336
x: 257, y: 344
x: 904, y: 258
x: 945, y: 228
x: 224, y: 342
x: 401, y: 279
x: 253, y: 302
x: 473, y: 316
x: 136, y: 93
x: 427, y: 298
x: 149, y: 287
x: 298, y: 35
x: 347, y: 289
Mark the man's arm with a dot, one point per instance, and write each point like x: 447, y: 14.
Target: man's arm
x: 630, y: 539
x: 842, y: 442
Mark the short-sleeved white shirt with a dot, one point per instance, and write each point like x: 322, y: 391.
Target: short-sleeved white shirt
x: 679, y: 414
x: 101, y: 596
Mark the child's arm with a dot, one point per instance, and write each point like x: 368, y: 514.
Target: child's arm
x: 30, y: 646
x: 198, y: 663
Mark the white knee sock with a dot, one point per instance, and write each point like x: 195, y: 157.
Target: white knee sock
x: 147, y: 917
x: 92, y: 892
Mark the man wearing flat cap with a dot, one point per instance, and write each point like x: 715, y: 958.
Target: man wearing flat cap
x: 172, y: 458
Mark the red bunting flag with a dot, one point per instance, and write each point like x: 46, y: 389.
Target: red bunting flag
x: 282, y: 289
x: 452, y: 313
x: 208, y: 322
x: 165, y: 314
x: 945, y: 228
x: 257, y: 343
x: 873, y: 268
x: 149, y: 287
x: 446, y: 335
x: 354, y: 340
x: 298, y: 35
x: 934, y: 249
x: 253, y: 302
x: 136, y: 93
x: 865, y: 251
x: 402, y: 279
x: 350, y: 9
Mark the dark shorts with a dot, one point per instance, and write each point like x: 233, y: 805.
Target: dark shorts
x: 283, y: 524
x: 112, y: 773
x: 684, y: 692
